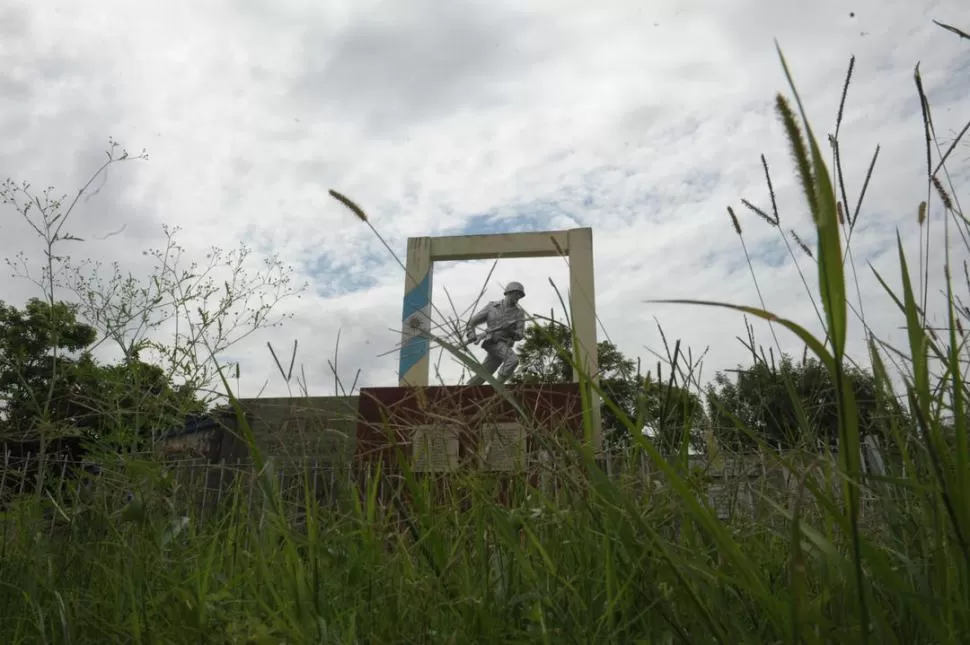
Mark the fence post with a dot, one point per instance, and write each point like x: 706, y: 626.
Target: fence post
x: 222, y: 477
x: 23, y: 478
x: 3, y: 475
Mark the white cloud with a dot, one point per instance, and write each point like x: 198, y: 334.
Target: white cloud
x: 642, y: 123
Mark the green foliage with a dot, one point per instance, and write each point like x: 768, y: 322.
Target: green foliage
x: 37, y: 376
x: 580, y: 570
x: 790, y: 404
x: 48, y: 378
x: 132, y: 400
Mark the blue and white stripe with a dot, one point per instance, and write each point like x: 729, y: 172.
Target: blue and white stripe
x: 415, y: 346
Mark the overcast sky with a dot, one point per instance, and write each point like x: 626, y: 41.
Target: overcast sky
x: 644, y: 121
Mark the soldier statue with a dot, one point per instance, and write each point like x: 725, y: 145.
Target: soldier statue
x: 505, y: 325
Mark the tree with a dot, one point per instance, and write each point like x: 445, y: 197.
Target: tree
x: 544, y: 357
x: 34, y: 377
x: 132, y: 401
x: 48, y: 377
x: 760, y: 401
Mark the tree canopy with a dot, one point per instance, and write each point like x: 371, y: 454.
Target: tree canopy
x: 49, y: 378
x: 790, y: 404
x: 785, y: 404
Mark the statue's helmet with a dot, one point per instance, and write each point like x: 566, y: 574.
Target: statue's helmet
x: 513, y: 287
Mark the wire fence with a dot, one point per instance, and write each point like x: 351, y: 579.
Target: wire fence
x: 201, y: 488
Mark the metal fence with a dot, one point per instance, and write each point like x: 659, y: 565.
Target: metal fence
x: 201, y: 487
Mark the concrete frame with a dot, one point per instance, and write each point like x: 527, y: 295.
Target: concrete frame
x: 423, y: 252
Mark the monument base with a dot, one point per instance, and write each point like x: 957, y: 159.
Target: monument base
x: 444, y: 432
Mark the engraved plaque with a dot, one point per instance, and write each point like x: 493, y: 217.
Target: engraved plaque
x: 434, y: 449
x: 503, y: 447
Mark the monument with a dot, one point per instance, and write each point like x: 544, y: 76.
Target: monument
x: 446, y: 427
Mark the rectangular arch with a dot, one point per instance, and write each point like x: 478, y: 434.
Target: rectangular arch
x: 576, y: 244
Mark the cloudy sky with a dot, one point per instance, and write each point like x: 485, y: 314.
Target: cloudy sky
x: 644, y: 121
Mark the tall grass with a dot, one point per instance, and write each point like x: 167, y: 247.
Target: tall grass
x: 841, y: 555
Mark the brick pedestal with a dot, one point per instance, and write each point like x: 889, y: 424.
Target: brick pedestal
x: 444, y: 431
